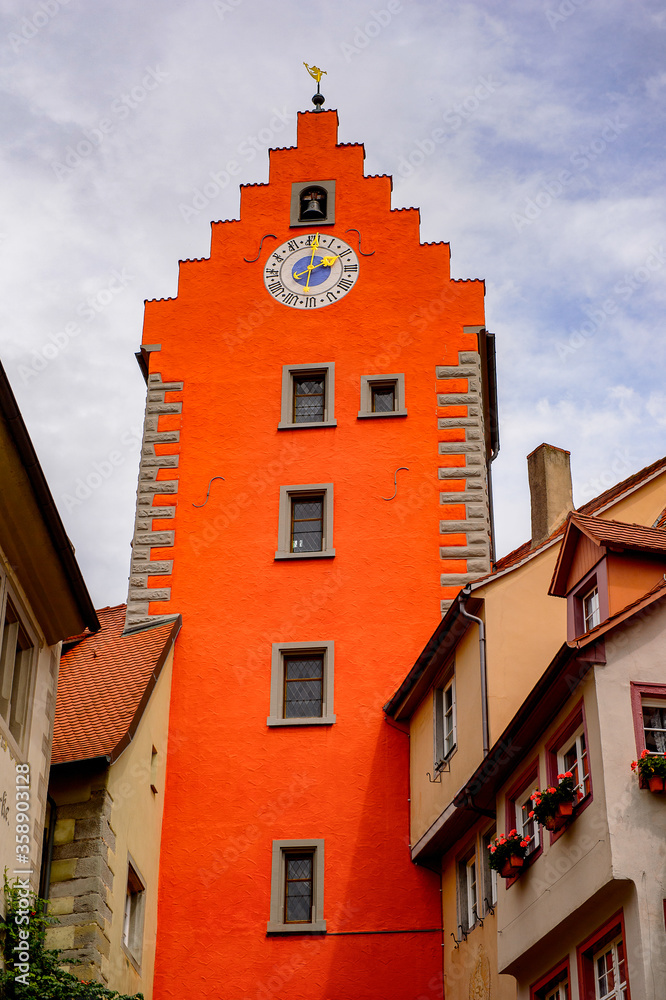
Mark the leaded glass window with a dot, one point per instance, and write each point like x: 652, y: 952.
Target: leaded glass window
x: 307, y: 524
x: 303, y: 686
x: 383, y: 398
x: 298, y: 888
x: 309, y: 393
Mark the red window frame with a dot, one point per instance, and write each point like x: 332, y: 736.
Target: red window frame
x: 559, y: 975
x: 638, y: 692
x: 573, y: 721
x: 614, y: 927
x: 529, y: 776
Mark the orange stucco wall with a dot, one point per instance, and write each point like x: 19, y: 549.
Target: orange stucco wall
x: 234, y: 784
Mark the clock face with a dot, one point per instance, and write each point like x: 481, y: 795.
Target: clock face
x: 311, y: 271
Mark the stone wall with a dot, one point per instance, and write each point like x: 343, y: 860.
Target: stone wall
x: 81, y: 884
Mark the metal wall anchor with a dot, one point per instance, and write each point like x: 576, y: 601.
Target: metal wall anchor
x: 208, y: 494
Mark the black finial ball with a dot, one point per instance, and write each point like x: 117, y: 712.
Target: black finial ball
x: 318, y: 100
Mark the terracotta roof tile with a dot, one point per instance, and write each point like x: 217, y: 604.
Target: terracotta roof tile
x: 618, y: 533
x: 105, y: 678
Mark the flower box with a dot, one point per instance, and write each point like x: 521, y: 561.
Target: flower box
x: 651, y: 769
x: 560, y: 818
x: 512, y: 867
x: 507, y: 854
x: 553, y: 807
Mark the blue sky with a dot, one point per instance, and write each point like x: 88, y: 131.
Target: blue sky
x: 530, y: 134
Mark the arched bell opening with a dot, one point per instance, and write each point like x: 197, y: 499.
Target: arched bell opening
x: 313, y: 204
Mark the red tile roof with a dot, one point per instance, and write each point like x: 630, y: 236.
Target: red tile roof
x: 621, y: 535
x: 105, y: 681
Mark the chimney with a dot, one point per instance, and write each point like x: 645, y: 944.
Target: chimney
x: 549, y: 474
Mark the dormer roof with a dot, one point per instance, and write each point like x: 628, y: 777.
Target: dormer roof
x: 615, y: 536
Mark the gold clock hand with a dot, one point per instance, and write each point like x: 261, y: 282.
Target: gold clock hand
x: 326, y: 262
x: 315, y: 244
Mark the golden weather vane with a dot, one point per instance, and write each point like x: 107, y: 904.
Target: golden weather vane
x: 316, y: 74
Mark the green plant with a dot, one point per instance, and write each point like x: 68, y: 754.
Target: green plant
x: 32, y: 971
x: 650, y: 765
x: 505, y: 847
x: 546, y: 800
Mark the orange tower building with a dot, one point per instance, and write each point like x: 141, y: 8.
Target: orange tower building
x: 313, y: 491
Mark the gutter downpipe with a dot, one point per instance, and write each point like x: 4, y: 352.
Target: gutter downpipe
x: 482, y: 660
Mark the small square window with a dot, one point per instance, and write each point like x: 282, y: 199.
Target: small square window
x: 382, y: 396
x: 297, y: 887
x: 445, y: 721
x: 305, y: 522
x: 308, y: 396
x: 301, y: 684
x: 16, y: 661
x: 135, y: 899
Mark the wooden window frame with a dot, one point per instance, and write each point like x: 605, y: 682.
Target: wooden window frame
x: 280, y: 650
x: 280, y: 851
x: 134, y: 914
x: 609, y: 932
x: 528, y: 780
x: 16, y: 705
x: 291, y: 373
x: 559, y: 975
x: 441, y: 753
x: 574, y: 723
x: 596, y: 577
x: 490, y: 875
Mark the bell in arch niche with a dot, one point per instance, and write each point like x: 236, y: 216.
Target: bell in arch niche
x: 313, y: 204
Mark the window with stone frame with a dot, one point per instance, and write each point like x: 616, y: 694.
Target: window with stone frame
x: 305, y: 522
x: 297, y: 887
x: 383, y: 396
x: 302, y: 684
x: 308, y: 396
